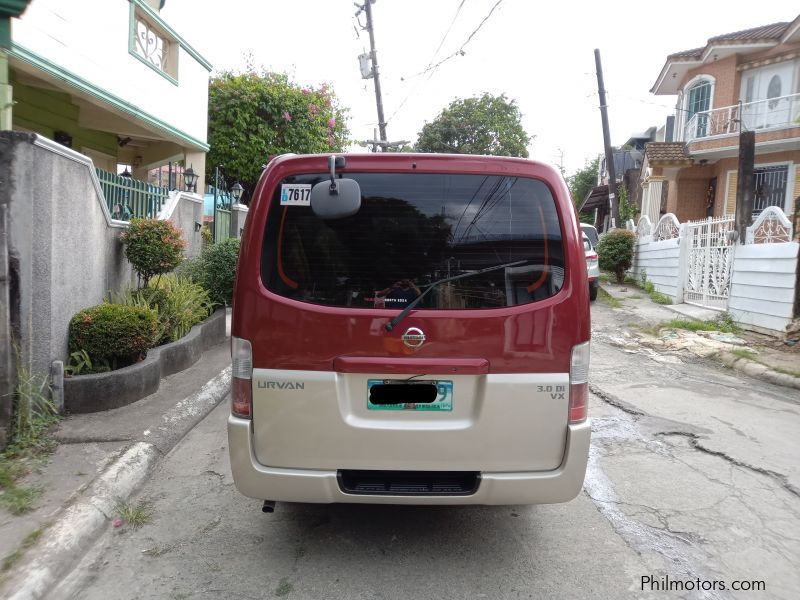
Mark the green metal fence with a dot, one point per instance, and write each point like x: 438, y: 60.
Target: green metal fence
x: 129, y: 198
x: 222, y: 224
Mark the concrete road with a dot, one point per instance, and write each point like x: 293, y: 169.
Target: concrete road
x: 692, y: 480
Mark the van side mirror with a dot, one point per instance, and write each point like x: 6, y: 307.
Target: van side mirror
x: 337, y: 199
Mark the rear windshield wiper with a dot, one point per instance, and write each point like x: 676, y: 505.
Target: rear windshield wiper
x: 391, y: 324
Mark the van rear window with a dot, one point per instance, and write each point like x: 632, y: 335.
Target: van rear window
x: 413, y: 230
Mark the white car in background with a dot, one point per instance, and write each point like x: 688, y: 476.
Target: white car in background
x: 592, y: 266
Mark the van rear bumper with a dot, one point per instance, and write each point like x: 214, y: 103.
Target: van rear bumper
x: 321, y: 486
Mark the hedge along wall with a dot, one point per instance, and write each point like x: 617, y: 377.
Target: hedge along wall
x: 661, y: 261
x: 66, y: 253
x: 762, y: 284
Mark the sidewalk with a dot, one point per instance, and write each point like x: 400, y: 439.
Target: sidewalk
x: 758, y: 355
x: 100, y: 458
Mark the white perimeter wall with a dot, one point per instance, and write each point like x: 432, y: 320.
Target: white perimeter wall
x: 661, y: 262
x: 762, y: 284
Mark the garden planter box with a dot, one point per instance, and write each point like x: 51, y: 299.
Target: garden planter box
x: 103, y: 391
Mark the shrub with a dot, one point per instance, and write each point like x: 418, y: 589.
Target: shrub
x: 219, y: 270
x: 152, y: 247
x: 113, y: 333
x: 180, y: 304
x: 615, y: 252
x: 191, y: 269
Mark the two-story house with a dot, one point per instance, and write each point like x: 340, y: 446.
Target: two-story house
x: 628, y: 160
x: 743, y: 80
x: 111, y: 80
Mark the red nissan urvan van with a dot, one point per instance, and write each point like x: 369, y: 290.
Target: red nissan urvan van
x: 410, y: 328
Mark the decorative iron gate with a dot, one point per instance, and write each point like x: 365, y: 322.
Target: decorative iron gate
x: 709, y: 256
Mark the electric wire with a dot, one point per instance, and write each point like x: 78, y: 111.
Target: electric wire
x: 460, y: 52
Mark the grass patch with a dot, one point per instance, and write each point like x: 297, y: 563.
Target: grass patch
x: 786, y: 371
x: 724, y: 324
x: 649, y: 329
x: 33, y: 415
x: 607, y: 277
x: 660, y: 298
x: 18, y: 499
x: 635, y: 297
x: 607, y: 298
x: 690, y: 325
x: 11, y: 559
x: 134, y: 515
x: 744, y: 353
x: 284, y: 587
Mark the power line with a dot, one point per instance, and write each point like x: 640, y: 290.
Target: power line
x: 460, y: 52
x: 430, y: 62
x: 446, y: 33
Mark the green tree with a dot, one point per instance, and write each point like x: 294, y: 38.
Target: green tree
x: 252, y: 116
x: 582, y: 181
x: 481, y: 125
x: 627, y: 210
x: 152, y: 247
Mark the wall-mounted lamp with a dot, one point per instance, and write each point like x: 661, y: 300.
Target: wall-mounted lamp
x: 198, y: 225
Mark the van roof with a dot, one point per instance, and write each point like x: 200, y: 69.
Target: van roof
x: 418, y: 157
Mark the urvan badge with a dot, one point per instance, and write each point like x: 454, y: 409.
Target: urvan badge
x: 282, y: 385
x: 413, y: 337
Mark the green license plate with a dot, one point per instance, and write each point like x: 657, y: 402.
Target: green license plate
x: 443, y: 402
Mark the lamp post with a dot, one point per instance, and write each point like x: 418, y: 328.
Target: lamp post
x: 190, y: 179
x: 236, y: 192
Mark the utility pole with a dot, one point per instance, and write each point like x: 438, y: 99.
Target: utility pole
x: 745, y: 188
x: 612, y: 176
x: 374, y: 57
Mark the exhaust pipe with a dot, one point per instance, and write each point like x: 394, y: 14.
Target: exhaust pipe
x: 268, y: 507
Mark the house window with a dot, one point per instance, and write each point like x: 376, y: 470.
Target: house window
x: 774, y: 90
x: 697, y: 106
x: 152, y: 45
x: 770, y: 183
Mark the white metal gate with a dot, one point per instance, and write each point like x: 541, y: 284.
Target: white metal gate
x: 709, y: 257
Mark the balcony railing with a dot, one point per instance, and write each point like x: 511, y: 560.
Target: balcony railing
x: 773, y: 113
x: 129, y: 198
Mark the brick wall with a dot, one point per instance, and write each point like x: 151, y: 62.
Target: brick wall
x: 726, y: 85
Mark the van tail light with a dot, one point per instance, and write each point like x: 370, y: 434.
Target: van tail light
x: 241, y: 378
x: 591, y: 257
x: 579, y: 383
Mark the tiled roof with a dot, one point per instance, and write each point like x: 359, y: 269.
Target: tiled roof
x: 772, y: 32
x: 671, y: 152
x: 693, y: 53
x: 765, y: 32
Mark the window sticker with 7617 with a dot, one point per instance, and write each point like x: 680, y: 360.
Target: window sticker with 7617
x: 296, y: 194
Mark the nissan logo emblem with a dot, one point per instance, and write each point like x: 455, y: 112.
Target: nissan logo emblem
x: 413, y: 337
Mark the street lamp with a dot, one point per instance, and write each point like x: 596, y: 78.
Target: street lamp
x: 190, y: 178
x: 236, y: 192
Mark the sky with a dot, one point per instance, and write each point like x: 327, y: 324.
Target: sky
x: 540, y: 54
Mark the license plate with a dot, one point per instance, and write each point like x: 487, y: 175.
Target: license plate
x: 443, y: 402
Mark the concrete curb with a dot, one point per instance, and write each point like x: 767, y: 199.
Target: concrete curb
x: 758, y: 371
x: 114, y: 389
x: 80, y: 524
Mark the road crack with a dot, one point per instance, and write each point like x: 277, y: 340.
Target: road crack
x: 696, y: 443
x: 614, y: 401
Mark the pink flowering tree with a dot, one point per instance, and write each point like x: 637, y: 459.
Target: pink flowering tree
x: 255, y: 115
